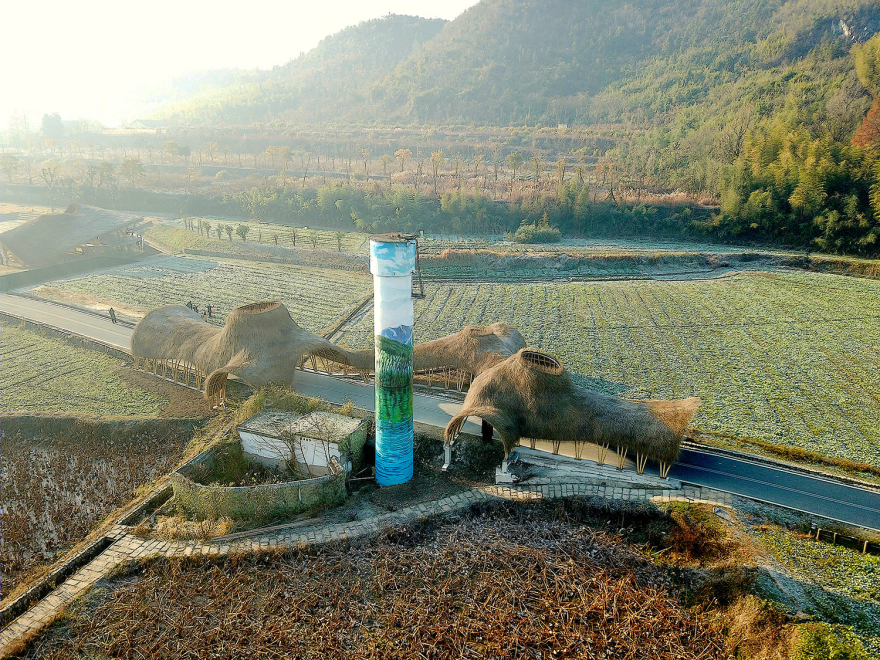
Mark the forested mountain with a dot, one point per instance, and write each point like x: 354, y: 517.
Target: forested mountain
x: 557, y: 61
x: 332, y: 81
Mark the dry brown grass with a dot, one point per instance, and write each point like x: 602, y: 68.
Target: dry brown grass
x: 59, y: 479
x: 525, y: 581
x: 756, y: 631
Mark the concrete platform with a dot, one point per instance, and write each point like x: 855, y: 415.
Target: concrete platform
x: 534, y: 467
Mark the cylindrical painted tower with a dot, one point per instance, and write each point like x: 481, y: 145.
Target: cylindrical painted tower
x: 392, y: 262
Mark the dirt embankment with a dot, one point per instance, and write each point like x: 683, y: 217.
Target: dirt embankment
x: 183, y: 402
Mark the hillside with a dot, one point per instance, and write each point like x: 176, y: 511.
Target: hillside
x: 321, y: 85
x: 513, y: 61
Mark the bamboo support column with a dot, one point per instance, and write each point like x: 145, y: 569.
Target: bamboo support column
x: 601, y: 453
x: 621, y: 457
x: 664, y: 469
x: 641, y: 460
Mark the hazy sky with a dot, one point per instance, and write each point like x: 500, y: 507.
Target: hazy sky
x: 90, y: 59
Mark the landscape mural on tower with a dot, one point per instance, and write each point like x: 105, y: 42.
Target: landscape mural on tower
x: 392, y: 262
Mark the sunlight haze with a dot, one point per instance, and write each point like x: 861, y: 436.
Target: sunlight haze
x: 98, y: 60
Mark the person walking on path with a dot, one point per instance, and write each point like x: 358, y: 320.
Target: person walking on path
x: 210, y: 309
x: 112, y: 315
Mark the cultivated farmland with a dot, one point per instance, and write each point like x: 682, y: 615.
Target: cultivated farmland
x: 315, y: 297
x: 41, y: 375
x: 841, y: 582
x: 262, y: 232
x: 787, y: 357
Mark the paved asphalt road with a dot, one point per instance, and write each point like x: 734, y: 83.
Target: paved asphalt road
x: 824, y: 497
x: 94, y: 326
x: 777, y: 485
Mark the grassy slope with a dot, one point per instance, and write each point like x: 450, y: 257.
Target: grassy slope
x: 41, y: 375
x: 842, y: 583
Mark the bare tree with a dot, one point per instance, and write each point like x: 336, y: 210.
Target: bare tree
x: 365, y: 156
x: 437, y: 160
x: 49, y: 174
x: 402, y: 156
x: 386, y: 161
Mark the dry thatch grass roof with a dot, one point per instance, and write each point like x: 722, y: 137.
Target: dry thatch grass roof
x: 473, y: 349
x: 260, y: 343
x: 45, y: 239
x: 530, y: 395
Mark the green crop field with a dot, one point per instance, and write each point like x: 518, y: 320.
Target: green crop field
x: 786, y: 357
x: 174, y: 234
x: 315, y: 297
x: 40, y: 375
x: 841, y: 583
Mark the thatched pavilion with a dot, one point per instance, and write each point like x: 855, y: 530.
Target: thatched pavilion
x: 80, y: 230
x: 260, y: 344
x: 521, y: 392
x: 472, y: 349
x: 530, y: 395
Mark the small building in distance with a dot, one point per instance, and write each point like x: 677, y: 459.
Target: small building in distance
x: 270, y: 438
x: 80, y: 231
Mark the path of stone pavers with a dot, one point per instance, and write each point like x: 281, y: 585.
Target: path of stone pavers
x: 127, y: 547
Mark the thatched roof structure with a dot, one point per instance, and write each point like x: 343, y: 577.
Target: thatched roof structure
x: 530, y: 395
x: 47, y: 238
x: 472, y: 349
x: 260, y: 343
